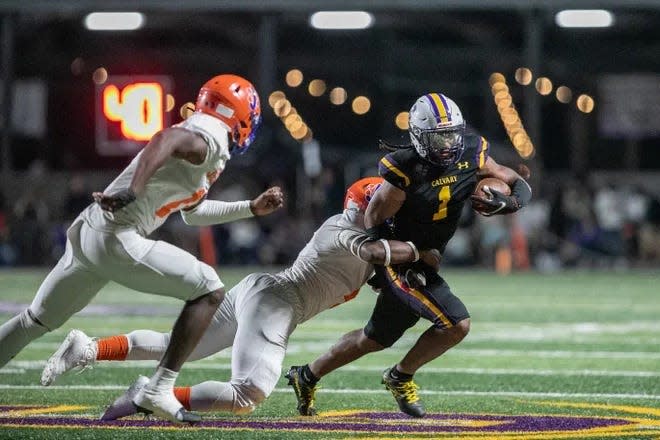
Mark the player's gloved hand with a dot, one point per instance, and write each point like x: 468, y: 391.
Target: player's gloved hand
x: 116, y: 201
x: 377, y: 280
x: 268, y: 201
x: 495, y: 202
x: 414, y: 279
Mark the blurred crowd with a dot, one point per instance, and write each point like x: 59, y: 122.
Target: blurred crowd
x: 576, y: 225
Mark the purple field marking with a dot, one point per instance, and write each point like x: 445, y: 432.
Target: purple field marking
x: 508, y: 423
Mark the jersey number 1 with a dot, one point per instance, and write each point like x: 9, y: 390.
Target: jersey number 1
x: 444, y: 195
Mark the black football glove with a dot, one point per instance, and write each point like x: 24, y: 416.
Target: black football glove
x: 378, y: 279
x: 496, y: 203
x: 414, y: 279
x: 116, y: 201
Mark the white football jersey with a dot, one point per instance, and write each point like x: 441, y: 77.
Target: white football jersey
x: 174, y: 186
x: 325, y: 272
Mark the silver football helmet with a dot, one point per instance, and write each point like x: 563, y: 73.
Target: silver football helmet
x: 437, y: 129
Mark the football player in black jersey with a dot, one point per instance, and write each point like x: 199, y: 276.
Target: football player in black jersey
x: 420, y: 201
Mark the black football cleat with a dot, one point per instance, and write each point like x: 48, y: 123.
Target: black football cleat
x: 304, y: 391
x: 405, y: 394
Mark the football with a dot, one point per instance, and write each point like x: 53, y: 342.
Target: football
x: 490, y: 182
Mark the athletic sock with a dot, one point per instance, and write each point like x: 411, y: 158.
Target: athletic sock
x: 182, y: 394
x: 163, y: 380
x: 399, y: 376
x: 308, y: 376
x: 113, y: 348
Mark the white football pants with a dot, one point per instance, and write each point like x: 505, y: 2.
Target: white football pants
x: 256, y: 319
x: 91, y: 259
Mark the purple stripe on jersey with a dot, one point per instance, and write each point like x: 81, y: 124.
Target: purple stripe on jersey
x: 482, y: 148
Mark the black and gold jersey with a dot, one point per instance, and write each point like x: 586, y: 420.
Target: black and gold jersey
x: 434, y: 196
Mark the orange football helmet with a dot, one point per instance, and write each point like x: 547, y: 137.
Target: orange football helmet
x: 234, y: 101
x: 360, y: 193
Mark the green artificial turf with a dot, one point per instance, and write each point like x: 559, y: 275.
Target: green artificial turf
x: 575, y: 344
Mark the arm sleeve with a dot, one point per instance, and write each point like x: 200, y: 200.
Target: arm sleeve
x: 214, y: 212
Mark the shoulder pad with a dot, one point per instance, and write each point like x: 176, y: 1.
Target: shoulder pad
x: 477, y: 147
x: 394, y: 168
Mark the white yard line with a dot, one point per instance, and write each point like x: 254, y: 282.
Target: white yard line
x: 307, y: 347
x: 371, y: 391
x: 21, y: 366
x: 560, y: 353
x: 13, y: 370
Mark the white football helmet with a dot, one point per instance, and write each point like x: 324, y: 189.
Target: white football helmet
x: 437, y: 128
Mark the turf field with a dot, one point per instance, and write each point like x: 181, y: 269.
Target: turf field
x: 566, y: 356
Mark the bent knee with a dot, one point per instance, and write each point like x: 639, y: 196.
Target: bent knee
x: 29, y: 318
x: 368, y: 345
x: 461, y: 329
x: 246, y: 398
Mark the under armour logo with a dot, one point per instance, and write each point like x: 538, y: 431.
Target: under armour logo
x: 463, y: 165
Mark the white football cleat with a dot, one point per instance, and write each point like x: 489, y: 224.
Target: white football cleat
x: 77, y: 351
x: 123, y: 405
x: 163, y: 404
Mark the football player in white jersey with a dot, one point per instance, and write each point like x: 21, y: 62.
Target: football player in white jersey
x: 257, y: 316
x: 108, y: 240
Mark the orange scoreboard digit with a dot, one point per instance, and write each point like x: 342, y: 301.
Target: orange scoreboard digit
x: 129, y: 111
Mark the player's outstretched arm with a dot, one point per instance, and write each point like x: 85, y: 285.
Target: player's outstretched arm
x: 215, y: 212
x: 388, y: 252
x: 174, y: 141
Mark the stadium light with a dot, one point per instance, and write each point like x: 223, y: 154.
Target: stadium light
x: 341, y: 20
x: 584, y: 18
x: 114, y: 21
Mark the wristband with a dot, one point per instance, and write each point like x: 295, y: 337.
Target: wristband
x: 522, y: 192
x: 356, y: 251
x: 414, y: 249
x: 388, y: 252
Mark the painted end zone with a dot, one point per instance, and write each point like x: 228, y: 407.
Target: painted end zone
x: 356, y: 421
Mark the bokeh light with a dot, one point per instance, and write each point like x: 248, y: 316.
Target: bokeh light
x: 282, y: 108
x: 275, y: 96
x: 361, y: 105
x: 294, y: 78
x: 543, y: 86
x: 100, y: 75
x: 585, y: 103
x: 338, y: 95
x: 564, y: 94
x: 523, y: 76
x: 186, y: 110
x: 496, y: 77
x: 170, y: 102
x: 316, y: 87
x: 77, y: 66
x: 401, y: 120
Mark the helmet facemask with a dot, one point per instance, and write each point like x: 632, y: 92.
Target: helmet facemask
x: 440, y: 146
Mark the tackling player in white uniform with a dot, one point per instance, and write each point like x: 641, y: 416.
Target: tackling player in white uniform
x: 258, y: 315
x: 108, y: 240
